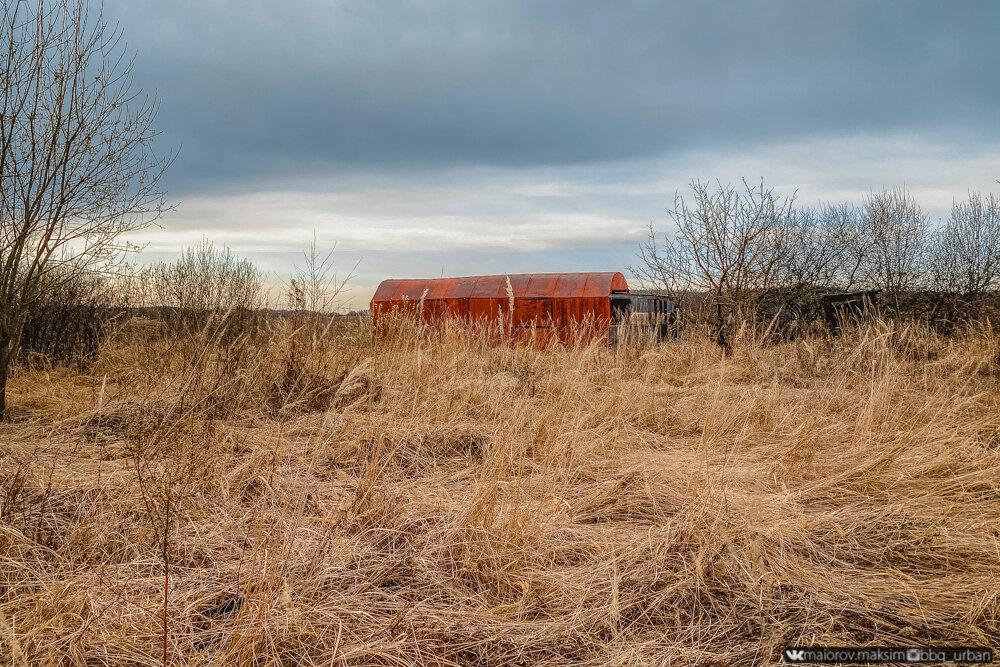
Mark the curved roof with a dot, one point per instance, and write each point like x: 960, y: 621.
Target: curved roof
x: 524, y: 285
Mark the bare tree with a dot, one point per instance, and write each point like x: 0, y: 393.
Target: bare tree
x: 815, y: 256
x: 731, y: 243
x: 315, y: 285
x: 666, y: 263
x: 849, y: 246
x: 967, y: 249
x: 76, y: 167
x: 896, y: 241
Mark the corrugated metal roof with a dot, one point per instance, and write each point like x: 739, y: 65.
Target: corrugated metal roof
x: 524, y: 285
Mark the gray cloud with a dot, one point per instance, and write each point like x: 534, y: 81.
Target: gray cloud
x: 521, y: 219
x: 501, y: 136
x: 257, y: 91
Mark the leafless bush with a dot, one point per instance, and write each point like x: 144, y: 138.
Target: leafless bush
x: 895, y: 235
x: 70, y: 321
x: 206, y: 282
x: 966, y: 257
x: 824, y: 248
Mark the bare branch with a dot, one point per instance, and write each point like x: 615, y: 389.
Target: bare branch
x: 77, y: 167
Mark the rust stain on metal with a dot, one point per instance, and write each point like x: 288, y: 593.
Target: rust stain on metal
x: 546, y: 304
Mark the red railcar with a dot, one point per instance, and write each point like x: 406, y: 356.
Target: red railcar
x: 540, y: 305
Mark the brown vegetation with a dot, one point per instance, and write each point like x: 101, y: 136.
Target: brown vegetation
x: 307, y: 495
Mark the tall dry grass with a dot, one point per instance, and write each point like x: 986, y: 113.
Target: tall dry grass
x: 313, y: 497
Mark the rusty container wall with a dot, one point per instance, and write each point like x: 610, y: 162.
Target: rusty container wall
x: 545, y: 305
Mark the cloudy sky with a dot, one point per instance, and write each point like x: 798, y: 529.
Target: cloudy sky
x: 435, y: 137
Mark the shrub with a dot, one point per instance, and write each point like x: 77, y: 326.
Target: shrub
x: 70, y: 320
x: 206, y: 283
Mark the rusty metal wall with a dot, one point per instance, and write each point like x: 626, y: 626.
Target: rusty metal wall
x: 563, y: 305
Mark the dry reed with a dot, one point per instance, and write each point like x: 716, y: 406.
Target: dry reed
x: 433, y: 499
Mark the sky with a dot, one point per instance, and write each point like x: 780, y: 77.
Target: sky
x: 433, y: 138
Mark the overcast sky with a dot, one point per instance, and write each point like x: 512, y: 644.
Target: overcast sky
x: 428, y: 138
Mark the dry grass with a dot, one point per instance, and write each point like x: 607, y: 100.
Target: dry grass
x: 439, y: 501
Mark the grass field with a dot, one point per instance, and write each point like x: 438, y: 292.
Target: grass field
x: 321, y: 499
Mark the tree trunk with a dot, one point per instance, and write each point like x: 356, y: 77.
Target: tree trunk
x: 720, y: 330
x: 5, y: 354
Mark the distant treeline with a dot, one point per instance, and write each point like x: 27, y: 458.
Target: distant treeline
x: 742, y: 256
